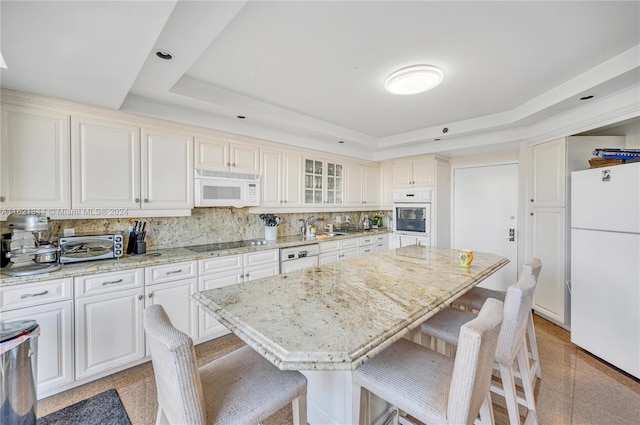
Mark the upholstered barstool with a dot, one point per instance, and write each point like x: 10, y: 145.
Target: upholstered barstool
x: 430, y: 386
x: 239, y: 388
x: 511, y: 359
x: 473, y: 300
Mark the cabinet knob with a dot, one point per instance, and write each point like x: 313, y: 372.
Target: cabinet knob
x: 137, y: 200
x: 241, y: 276
x: 2, y: 198
x: 150, y: 295
x: 140, y: 297
x: 146, y: 201
x: 233, y: 165
x: 531, y: 199
x: 530, y: 213
x: 285, y: 201
x: 228, y: 164
x: 246, y: 275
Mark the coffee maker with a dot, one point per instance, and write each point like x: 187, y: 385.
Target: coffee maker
x: 29, y: 249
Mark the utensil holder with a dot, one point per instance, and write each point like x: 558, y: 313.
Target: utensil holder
x: 271, y: 233
x: 140, y: 247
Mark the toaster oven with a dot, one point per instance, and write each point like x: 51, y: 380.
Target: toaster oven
x: 74, y: 249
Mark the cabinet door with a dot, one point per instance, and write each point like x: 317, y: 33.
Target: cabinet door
x: 109, y: 331
x: 334, y: 193
x: 212, y: 154
x: 548, y: 180
x: 55, y: 344
x: 314, y: 182
x: 329, y: 257
x: 424, y: 241
x: 350, y: 253
x: 272, y: 179
x: 386, y: 186
x: 292, y: 179
x: 208, y: 327
x: 370, y: 188
x: 403, y: 174
x: 175, y: 298
x: 245, y: 158
x: 548, y: 230
x: 166, y: 170
x: 34, y: 159
x: 424, y: 173
x: 258, y: 272
x: 353, y: 185
x: 105, y: 163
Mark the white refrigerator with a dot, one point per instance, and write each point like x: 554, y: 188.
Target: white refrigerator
x: 605, y: 264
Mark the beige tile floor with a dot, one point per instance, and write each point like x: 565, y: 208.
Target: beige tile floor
x: 576, y: 388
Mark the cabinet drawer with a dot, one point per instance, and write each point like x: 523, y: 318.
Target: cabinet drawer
x: 329, y: 246
x: 214, y: 265
x: 350, y: 243
x: 18, y: 296
x: 366, y: 250
x: 108, y: 282
x: 380, y: 238
x: 261, y: 257
x: 170, y: 272
x: 366, y: 240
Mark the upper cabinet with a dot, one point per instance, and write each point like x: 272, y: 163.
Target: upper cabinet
x: 408, y: 173
x: 114, y: 168
x: 167, y: 170
x: 281, y: 178
x: 361, y: 185
x: 386, y: 186
x: 323, y: 182
x: 224, y: 155
x: 34, y: 158
x: 548, y: 167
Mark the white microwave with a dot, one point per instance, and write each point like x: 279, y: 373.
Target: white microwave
x: 228, y: 191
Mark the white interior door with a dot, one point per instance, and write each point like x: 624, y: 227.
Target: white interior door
x: 485, y: 208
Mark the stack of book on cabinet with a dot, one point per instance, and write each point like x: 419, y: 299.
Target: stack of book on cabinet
x: 605, y: 157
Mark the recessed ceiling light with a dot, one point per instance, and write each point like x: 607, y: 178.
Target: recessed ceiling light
x: 586, y: 97
x: 436, y: 140
x: 164, y: 54
x: 340, y: 141
x: 241, y: 117
x: 413, y: 79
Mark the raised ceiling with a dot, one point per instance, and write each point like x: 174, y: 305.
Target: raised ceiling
x: 312, y: 73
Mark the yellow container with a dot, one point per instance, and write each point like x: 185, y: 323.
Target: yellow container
x: 466, y: 257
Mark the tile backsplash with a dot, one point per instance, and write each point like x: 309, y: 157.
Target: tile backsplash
x: 206, y: 225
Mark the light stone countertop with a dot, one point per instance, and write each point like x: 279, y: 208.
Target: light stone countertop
x: 167, y: 256
x: 337, y: 316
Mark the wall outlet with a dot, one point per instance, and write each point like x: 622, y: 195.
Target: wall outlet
x: 68, y: 232
x: 338, y: 219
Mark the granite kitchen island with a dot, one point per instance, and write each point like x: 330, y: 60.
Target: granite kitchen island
x: 328, y: 320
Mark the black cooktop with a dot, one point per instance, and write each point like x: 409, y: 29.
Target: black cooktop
x: 225, y: 245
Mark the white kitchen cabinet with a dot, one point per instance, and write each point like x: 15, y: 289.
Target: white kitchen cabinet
x: 108, y: 324
x: 381, y: 242
x: 34, y: 158
x: 225, y: 154
x: 323, y: 182
x: 166, y: 172
x: 361, y: 185
x: 548, y: 216
x: 366, y: 245
x: 114, y: 169
x: 414, y: 173
x: 404, y: 240
x: 50, y: 304
x: 281, y: 179
x: 176, y: 299
x: 386, y: 186
x: 172, y: 286
x: 228, y: 270
x: 105, y: 163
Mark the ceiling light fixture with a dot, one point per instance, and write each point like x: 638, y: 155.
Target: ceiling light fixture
x: 413, y: 79
x: 586, y: 97
x: 241, y: 117
x: 164, y: 54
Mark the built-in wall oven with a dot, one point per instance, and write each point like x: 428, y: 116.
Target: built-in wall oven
x: 412, y: 216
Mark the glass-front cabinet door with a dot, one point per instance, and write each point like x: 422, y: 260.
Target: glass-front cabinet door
x: 323, y: 182
x: 334, y: 183
x: 313, y: 181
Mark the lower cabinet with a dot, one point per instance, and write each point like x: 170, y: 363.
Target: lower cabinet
x: 176, y: 300
x: 228, y: 270
x: 55, y: 344
x: 405, y: 240
x: 108, y: 321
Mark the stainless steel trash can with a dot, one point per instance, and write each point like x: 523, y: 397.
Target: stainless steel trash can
x: 18, y: 361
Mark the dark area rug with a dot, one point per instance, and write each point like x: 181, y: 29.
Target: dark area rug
x: 102, y: 409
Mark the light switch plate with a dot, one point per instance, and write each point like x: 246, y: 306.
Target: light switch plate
x: 68, y: 232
